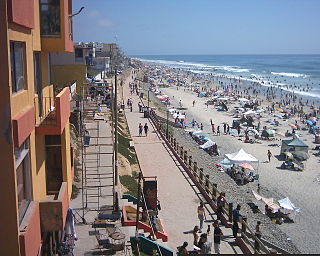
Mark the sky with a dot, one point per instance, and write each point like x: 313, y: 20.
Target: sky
x: 156, y: 27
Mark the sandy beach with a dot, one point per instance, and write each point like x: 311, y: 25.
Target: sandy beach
x: 301, y: 187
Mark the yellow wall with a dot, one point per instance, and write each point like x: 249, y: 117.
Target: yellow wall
x: 38, y: 157
x: 63, y: 74
x: 36, y: 30
x: 66, y: 157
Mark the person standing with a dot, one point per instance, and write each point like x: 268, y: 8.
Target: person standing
x: 193, y: 102
x: 146, y: 129
x: 258, y: 235
x: 236, y: 219
x: 224, y: 128
x: 213, y: 129
x: 269, y: 154
x: 201, y: 126
x: 201, y: 215
x: 140, y: 129
x: 206, y: 247
x: 217, y: 233
x: 195, y: 235
x: 221, y: 201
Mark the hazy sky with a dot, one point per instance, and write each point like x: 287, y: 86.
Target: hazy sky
x: 201, y: 26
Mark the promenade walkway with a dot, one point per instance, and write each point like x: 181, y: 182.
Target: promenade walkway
x: 178, y: 196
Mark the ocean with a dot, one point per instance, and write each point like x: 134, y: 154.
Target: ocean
x: 298, y: 73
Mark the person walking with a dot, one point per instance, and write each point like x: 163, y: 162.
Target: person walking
x: 269, y: 154
x: 146, y: 129
x: 201, y: 215
x: 224, y: 128
x: 213, y: 129
x: 217, y: 233
x: 140, y: 129
x: 193, y: 102
x: 258, y: 235
x: 218, y: 130
x: 236, y: 218
x: 221, y: 201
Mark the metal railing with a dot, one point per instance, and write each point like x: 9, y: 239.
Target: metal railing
x: 45, y: 110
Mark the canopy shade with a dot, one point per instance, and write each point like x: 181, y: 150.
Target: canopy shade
x: 285, y: 203
x: 300, y: 155
x: 246, y: 166
x: 226, y: 163
x: 241, y: 156
x: 208, y: 144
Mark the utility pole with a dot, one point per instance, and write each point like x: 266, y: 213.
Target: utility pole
x: 116, y: 126
x: 167, y: 124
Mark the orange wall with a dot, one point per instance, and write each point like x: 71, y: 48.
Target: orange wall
x: 9, y: 234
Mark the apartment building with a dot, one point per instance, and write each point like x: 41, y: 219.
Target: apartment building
x: 35, y: 161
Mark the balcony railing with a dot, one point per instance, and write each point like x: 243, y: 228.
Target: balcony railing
x: 52, y: 112
x: 53, y: 211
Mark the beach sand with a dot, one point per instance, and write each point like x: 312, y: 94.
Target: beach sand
x: 301, y: 187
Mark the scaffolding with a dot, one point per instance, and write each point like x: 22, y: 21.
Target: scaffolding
x: 98, y: 154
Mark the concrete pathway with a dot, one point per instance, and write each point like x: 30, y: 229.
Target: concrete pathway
x: 178, y: 196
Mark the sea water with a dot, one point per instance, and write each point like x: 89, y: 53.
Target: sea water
x: 297, y: 73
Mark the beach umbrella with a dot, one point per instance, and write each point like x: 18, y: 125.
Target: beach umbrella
x: 309, y: 122
x: 300, y: 155
x: 293, y: 126
x: 246, y: 166
x: 278, y: 115
x: 281, y: 134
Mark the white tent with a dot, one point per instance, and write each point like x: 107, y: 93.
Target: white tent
x: 199, y: 133
x: 208, y: 144
x: 241, y: 156
x: 286, y: 204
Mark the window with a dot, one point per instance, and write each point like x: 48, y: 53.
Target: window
x: 50, y: 17
x: 37, y: 72
x: 17, y: 56
x: 23, y: 177
x: 78, y: 52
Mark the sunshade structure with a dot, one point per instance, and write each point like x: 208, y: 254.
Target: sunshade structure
x: 268, y: 133
x: 241, y: 157
x: 199, y: 133
x: 246, y: 166
x: 293, y: 145
x: 286, y: 204
x: 300, y: 155
x: 268, y: 201
x: 226, y: 163
x: 208, y: 144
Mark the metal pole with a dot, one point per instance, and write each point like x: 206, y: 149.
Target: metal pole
x: 148, y: 96
x: 167, y: 123
x: 116, y: 127
x: 138, y: 204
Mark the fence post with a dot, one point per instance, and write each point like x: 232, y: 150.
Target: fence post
x: 230, y: 212
x: 190, y: 162
x: 185, y: 157
x: 195, y: 168
x: 181, y: 152
x: 177, y: 148
x: 207, y: 183
x: 174, y: 144
x: 201, y: 176
x: 243, y: 226
x: 214, y: 190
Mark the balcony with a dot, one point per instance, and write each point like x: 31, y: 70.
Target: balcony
x: 52, y: 112
x: 53, y: 211
x: 56, y: 25
x: 30, y: 233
